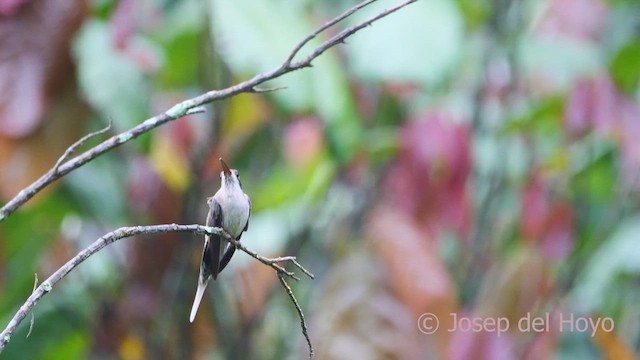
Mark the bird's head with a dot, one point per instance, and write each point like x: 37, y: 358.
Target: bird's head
x: 229, y: 177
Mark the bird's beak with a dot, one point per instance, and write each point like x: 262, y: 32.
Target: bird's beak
x: 225, y: 168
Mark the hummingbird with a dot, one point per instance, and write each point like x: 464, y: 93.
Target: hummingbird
x: 229, y: 209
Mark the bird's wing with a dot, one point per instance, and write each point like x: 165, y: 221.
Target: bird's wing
x: 246, y: 226
x: 211, y: 254
x: 228, y: 253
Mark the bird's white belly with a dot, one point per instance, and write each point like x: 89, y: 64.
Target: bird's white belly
x: 235, y: 210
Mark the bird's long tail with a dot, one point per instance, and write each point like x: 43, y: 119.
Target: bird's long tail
x: 202, y: 285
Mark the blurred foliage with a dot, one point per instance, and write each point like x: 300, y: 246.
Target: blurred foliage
x: 471, y: 157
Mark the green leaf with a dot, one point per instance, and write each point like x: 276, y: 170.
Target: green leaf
x: 181, y: 36
x: 286, y: 184
x: 255, y: 37
x: 110, y: 81
x: 618, y: 256
x: 73, y: 346
x: 560, y: 60
x: 625, y: 67
x: 181, y: 68
x: 26, y: 235
x: 544, y: 118
x: 475, y: 12
x: 597, y: 180
x: 57, y: 333
x: 420, y: 43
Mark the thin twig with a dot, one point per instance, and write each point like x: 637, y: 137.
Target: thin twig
x: 186, y: 107
x: 305, y: 271
x: 295, y: 262
x: 273, y: 262
x: 258, y: 90
x: 322, y: 28
x: 35, y: 285
x: 303, y: 323
x: 118, y: 234
x: 344, y: 34
x: 76, y: 145
x: 196, y: 110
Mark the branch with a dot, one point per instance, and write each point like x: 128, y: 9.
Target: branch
x: 303, y: 323
x: 125, y: 232
x: 194, y: 105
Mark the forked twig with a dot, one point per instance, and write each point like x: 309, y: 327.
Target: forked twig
x: 77, y: 144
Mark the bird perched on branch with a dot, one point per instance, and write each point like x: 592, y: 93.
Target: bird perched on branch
x: 229, y: 209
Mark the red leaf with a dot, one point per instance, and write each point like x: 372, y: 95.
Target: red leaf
x: 480, y: 345
x: 578, y: 110
x: 417, y: 275
x: 303, y: 141
x: 429, y: 179
x: 34, y: 63
x: 581, y: 19
x: 10, y: 7
x: 546, y: 221
x: 535, y: 209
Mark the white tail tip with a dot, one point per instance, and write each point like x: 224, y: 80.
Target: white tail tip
x: 197, y: 300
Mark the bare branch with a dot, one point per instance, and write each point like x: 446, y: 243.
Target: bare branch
x: 125, y: 232
x: 188, y: 106
x: 303, y: 323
